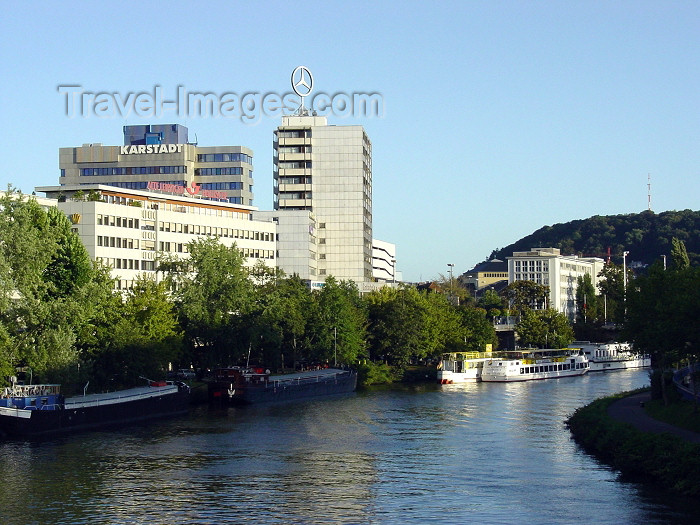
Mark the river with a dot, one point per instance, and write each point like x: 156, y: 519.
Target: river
x: 475, y: 453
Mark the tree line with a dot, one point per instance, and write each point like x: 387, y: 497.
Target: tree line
x: 62, y: 321
x: 646, y: 235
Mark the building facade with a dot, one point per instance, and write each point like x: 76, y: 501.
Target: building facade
x: 296, y: 242
x: 384, y: 262
x: 160, y: 158
x: 129, y: 230
x: 327, y: 170
x: 548, y: 267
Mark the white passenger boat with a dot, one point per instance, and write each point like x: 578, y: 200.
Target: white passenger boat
x: 462, y: 367
x: 611, y: 356
x: 527, y: 365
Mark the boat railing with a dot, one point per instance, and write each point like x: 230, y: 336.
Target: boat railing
x: 306, y: 379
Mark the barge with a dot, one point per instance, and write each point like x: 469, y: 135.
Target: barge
x: 41, y: 410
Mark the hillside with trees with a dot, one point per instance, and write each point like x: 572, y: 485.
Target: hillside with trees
x: 647, y: 236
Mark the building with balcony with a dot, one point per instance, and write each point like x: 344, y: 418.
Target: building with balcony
x: 327, y: 170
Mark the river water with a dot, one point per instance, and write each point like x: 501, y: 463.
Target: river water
x: 476, y: 453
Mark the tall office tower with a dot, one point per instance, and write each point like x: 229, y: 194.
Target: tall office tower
x: 160, y: 158
x: 328, y: 170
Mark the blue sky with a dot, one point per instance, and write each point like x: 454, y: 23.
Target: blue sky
x: 500, y: 117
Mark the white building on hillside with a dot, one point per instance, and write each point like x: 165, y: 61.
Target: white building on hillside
x: 559, y: 272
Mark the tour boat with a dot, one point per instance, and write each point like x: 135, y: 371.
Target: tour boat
x: 527, y: 365
x: 247, y: 385
x: 611, y: 356
x: 40, y: 410
x: 462, y: 367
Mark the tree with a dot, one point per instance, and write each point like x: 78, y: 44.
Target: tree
x: 215, y: 296
x: 544, y: 329
x: 526, y: 295
x: 586, y: 300
x: 338, y: 330
x: 662, y: 318
x: 146, y: 338
x: 612, y: 288
x: 679, y: 255
x: 70, y: 266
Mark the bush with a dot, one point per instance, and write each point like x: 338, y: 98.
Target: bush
x: 371, y: 373
x: 667, y: 460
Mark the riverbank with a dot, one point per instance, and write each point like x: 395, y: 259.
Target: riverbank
x: 618, y: 432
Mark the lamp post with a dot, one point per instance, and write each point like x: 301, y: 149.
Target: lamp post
x: 664, y: 261
x: 624, y: 278
x: 450, y: 266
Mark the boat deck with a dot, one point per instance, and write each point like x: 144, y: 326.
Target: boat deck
x: 108, y: 398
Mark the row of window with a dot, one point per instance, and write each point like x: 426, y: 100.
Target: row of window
x: 113, y: 220
x: 552, y: 368
x: 536, y: 277
x: 135, y: 170
x: 178, y: 227
x: 540, y: 266
x: 222, y: 186
x: 296, y: 134
x: 128, y: 264
x: 284, y: 195
x: 299, y: 164
x: 219, y: 171
x: 117, y: 242
x: 294, y: 149
x: 295, y: 180
x: 224, y: 157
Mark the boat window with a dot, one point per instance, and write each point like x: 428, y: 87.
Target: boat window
x: 521, y: 370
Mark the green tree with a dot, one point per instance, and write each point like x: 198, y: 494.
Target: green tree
x: 526, y: 295
x: 612, y: 290
x: 544, y: 329
x: 215, y: 297
x: 477, y: 331
x: 70, y: 267
x: 492, y: 303
x: 679, y: 255
x: 662, y: 318
x: 338, y: 331
x: 586, y: 300
x: 145, y: 339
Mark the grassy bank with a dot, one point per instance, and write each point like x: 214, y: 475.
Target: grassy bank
x: 661, y: 459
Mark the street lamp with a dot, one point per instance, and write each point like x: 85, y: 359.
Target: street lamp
x: 664, y: 261
x: 624, y: 272
x: 450, y: 265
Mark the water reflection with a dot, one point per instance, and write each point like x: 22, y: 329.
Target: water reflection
x: 488, y: 453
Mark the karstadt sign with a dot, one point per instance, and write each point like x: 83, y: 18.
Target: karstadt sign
x: 150, y: 149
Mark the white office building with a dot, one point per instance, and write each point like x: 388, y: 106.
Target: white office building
x: 129, y: 229
x: 327, y: 170
x: 548, y: 267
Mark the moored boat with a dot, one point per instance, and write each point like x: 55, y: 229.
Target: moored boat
x: 41, y: 410
x: 248, y: 385
x: 462, y: 367
x: 611, y: 356
x: 528, y: 365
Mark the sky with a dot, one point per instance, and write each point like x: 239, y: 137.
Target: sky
x: 498, y: 117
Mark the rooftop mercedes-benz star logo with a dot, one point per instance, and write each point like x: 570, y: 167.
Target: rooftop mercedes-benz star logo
x: 302, y: 81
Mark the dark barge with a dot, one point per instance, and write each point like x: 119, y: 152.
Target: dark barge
x: 40, y: 410
x: 242, y: 386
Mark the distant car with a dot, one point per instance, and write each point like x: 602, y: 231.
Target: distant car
x: 186, y: 373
